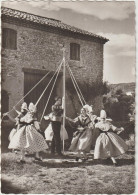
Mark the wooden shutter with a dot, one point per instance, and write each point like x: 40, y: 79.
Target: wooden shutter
x: 74, y: 51
x: 9, y: 38
x: 77, y: 52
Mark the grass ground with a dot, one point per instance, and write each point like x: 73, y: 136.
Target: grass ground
x: 65, y: 176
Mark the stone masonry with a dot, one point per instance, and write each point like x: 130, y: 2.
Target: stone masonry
x: 39, y: 49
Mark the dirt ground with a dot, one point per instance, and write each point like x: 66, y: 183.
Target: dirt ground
x: 66, y: 176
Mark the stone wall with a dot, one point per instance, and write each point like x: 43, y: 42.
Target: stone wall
x: 42, y: 50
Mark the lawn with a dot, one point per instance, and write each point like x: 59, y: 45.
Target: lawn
x: 66, y: 176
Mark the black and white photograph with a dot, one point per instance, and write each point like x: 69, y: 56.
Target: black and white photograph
x: 68, y: 97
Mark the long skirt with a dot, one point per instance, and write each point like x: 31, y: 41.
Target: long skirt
x: 29, y: 139
x: 95, y: 135
x: 12, y: 133
x: 82, y: 142
x: 49, y: 133
x: 108, y: 145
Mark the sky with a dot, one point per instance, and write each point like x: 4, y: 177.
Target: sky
x: 114, y: 20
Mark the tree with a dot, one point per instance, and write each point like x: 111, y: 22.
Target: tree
x: 118, y: 105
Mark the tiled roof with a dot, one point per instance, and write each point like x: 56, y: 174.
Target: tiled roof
x: 47, y: 21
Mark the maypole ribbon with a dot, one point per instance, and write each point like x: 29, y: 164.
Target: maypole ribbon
x: 27, y: 93
x: 47, y: 86
x: 76, y: 84
x: 50, y: 94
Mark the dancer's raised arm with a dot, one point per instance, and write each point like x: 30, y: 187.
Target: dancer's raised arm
x: 11, y: 118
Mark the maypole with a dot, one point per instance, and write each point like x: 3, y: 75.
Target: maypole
x: 64, y: 94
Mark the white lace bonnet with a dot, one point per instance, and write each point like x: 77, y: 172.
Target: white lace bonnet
x: 88, y: 108
x: 32, y: 107
x: 24, y: 106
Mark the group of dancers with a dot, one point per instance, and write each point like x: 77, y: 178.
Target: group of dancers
x: 99, y: 133
x: 90, y: 131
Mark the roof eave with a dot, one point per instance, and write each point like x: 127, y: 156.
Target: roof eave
x: 101, y: 39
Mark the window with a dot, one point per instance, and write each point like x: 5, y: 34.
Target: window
x: 9, y: 38
x: 74, y: 51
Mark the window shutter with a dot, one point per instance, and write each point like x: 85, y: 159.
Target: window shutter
x: 74, y: 51
x: 9, y: 38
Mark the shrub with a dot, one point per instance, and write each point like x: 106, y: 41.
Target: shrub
x: 129, y: 128
x: 131, y: 141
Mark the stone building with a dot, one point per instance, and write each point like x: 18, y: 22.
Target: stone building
x: 32, y: 46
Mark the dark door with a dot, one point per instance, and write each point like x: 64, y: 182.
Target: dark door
x: 31, y: 77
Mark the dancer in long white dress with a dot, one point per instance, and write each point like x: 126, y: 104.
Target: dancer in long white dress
x: 27, y: 137
x: 108, y: 143
x: 93, y: 118
x: 82, y: 140
x: 17, y: 119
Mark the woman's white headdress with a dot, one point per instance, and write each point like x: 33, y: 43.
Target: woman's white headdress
x: 32, y: 107
x: 103, y: 114
x: 24, y: 105
x: 88, y: 108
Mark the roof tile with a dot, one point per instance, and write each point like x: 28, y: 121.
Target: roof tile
x: 47, y: 21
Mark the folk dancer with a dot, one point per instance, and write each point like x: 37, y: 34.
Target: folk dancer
x: 81, y: 142
x: 93, y: 118
x: 18, y: 124
x: 56, y: 118
x: 27, y: 137
x: 49, y: 131
x: 108, y: 143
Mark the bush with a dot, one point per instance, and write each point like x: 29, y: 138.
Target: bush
x: 129, y: 128
x: 131, y: 141
x: 119, y: 106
